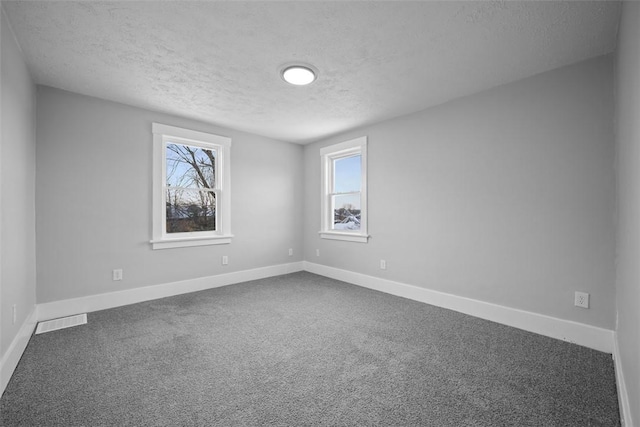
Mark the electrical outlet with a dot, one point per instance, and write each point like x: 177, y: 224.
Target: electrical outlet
x: 117, y: 274
x: 225, y: 260
x: 317, y: 252
x: 15, y: 313
x: 383, y: 264
x: 581, y: 300
x: 290, y: 252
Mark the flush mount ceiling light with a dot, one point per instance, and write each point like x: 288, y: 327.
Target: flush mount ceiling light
x: 299, y: 75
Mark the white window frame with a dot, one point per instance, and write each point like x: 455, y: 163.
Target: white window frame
x: 164, y: 134
x: 328, y: 155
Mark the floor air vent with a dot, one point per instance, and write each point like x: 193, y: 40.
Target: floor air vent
x: 63, y: 322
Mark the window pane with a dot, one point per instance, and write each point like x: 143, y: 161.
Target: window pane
x: 190, y: 210
x: 190, y: 167
x: 346, y: 212
x: 346, y: 174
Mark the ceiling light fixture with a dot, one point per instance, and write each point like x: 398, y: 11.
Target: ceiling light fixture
x: 299, y: 75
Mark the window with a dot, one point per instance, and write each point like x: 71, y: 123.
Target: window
x: 344, y: 191
x: 191, y: 200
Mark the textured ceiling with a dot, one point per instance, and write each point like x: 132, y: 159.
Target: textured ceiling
x: 219, y: 62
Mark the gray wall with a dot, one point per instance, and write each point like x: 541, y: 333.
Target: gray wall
x: 17, y: 190
x: 506, y: 196
x: 94, y: 200
x: 628, y: 169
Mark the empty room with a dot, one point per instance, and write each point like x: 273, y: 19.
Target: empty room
x: 340, y: 213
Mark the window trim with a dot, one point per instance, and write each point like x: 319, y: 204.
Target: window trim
x: 357, y: 146
x: 222, y: 235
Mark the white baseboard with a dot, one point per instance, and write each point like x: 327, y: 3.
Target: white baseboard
x: 53, y: 310
x: 14, y: 352
x: 589, y: 336
x: 623, y: 397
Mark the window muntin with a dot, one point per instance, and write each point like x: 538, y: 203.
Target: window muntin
x: 191, y: 188
x: 344, y: 212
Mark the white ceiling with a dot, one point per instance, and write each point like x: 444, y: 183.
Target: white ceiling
x: 219, y: 62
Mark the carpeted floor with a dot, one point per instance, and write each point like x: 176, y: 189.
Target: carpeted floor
x: 301, y: 350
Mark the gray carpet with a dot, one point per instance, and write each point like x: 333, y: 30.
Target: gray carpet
x: 301, y: 350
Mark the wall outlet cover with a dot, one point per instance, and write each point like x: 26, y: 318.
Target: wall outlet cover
x: 581, y: 300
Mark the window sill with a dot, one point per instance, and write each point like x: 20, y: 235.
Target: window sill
x: 185, y: 242
x: 347, y: 237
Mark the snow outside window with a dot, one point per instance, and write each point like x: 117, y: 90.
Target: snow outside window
x: 191, y: 201
x: 344, y: 191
